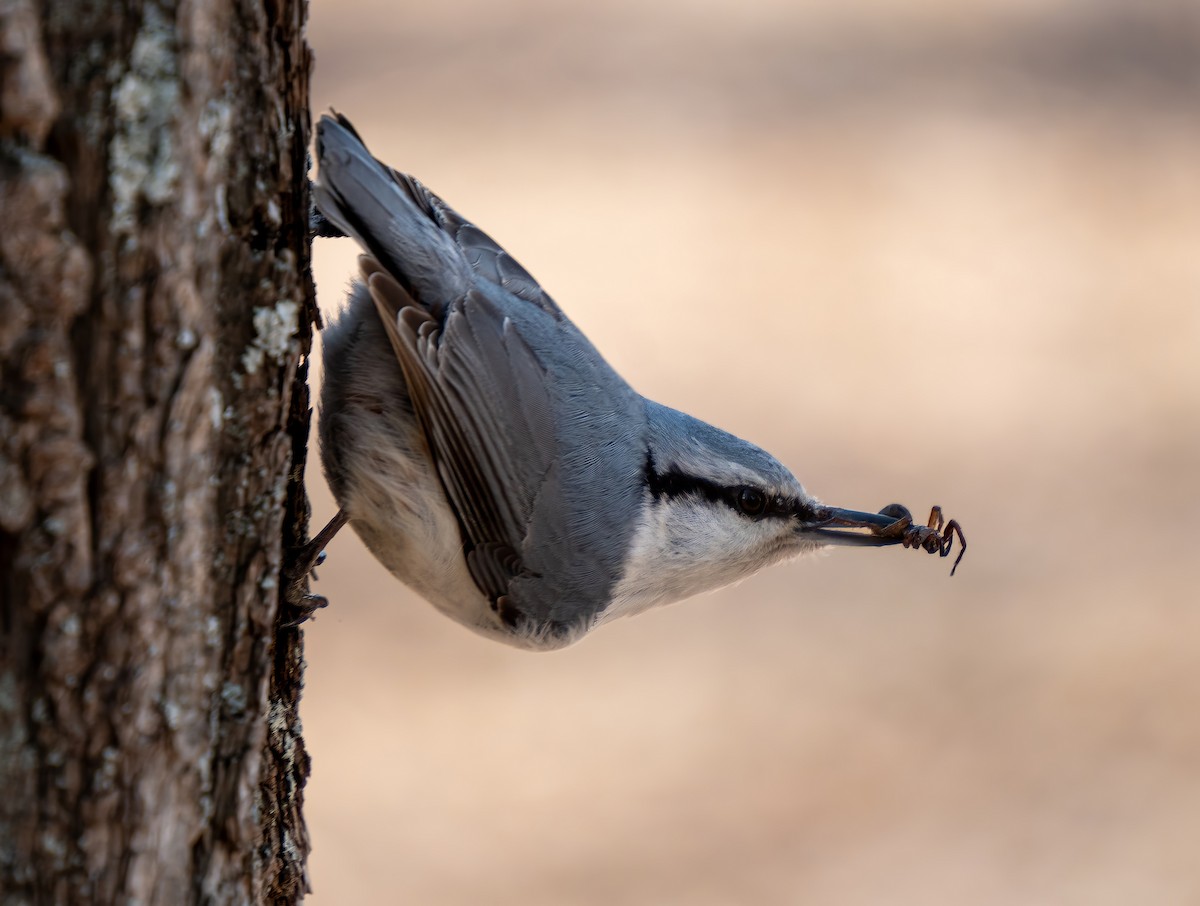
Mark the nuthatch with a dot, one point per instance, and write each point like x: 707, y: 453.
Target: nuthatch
x: 492, y: 460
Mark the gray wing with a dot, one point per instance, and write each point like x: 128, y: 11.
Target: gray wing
x: 488, y: 260
x: 482, y: 399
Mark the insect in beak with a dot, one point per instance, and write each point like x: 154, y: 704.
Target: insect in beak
x: 891, y: 525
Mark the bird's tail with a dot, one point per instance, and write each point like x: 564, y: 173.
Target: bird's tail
x: 392, y: 216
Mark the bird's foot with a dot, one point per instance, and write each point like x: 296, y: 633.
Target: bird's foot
x: 298, y: 602
x: 302, y: 608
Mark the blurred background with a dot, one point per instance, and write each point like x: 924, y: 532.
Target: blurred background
x: 923, y: 251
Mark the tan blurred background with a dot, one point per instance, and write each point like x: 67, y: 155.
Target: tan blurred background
x: 923, y: 251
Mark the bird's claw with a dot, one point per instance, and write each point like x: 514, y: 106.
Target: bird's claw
x: 304, y: 608
x: 300, y: 602
x: 301, y: 568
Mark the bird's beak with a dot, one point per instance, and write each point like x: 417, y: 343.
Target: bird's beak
x: 833, y: 525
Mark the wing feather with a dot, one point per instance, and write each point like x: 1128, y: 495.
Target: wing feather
x: 480, y: 394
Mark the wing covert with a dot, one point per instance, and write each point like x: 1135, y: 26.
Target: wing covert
x: 482, y: 399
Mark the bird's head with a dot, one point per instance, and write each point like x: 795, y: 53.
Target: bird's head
x: 717, y: 509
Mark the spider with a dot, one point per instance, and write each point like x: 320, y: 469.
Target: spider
x: 936, y: 536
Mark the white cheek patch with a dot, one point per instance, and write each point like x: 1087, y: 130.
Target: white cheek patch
x: 683, y: 547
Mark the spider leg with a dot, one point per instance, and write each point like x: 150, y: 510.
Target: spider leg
x: 954, y: 529
x: 935, y: 519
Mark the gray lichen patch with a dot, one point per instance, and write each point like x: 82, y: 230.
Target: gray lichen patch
x: 142, y: 152
x: 274, y: 330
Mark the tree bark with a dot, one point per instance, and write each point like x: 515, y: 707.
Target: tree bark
x: 155, y: 303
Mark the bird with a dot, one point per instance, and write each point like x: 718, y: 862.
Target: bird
x: 493, y: 461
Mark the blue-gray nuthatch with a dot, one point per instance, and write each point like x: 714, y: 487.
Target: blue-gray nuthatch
x: 491, y: 459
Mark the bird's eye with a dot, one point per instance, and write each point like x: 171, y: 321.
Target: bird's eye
x: 751, y: 501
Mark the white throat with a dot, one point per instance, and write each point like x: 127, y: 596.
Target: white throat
x: 683, y: 547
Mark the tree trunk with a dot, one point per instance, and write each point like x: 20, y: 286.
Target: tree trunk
x: 155, y: 302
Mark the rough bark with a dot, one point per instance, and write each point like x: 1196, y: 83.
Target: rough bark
x: 155, y: 303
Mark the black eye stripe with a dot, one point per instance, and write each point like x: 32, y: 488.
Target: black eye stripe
x: 747, y: 500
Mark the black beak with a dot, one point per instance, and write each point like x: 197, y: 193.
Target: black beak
x: 837, y: 526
